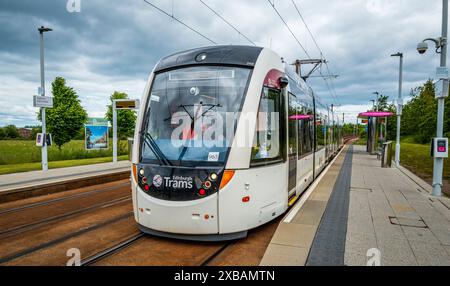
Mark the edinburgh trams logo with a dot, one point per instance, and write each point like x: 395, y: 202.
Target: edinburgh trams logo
x: 174, y: 182
x: 157, y: 181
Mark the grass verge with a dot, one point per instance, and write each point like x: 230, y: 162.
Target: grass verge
x: 25, y: 167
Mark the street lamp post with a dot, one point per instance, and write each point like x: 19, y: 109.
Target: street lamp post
x: 42, y: 30
x: 376, y: 119
x: 441, y: 48
x: 399, y: 108
x: 377, y: 94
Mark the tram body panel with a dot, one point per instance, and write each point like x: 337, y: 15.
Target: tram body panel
x: 304, y: 172
x: 134, y: 192
x: 267, y: 198
x: 320, y: 160
x: 179, y: 217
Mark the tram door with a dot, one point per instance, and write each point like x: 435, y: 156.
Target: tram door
x: 292, y: 143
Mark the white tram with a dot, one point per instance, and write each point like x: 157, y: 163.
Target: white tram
x: 228, y: 137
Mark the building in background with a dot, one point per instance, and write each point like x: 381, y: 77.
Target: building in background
x: 25, y: 132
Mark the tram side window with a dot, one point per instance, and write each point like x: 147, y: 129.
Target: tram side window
x: 320, y: 132
x: 293, y: 112
x: 267, y: 140
x: 305, y: 130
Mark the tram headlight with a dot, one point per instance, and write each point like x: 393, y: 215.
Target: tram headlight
x: 213, y: 177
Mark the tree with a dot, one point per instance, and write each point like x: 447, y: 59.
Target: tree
x: 67, y: 116
x: 35, y: 130
x: 419, y: 115
x: 126, y: 119
x: 11, y: 132
x: 382, y: 103
x: 392, y: 123
x: 2, y: 134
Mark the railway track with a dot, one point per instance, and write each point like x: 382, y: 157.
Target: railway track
x: 22, y: 228
x: 112, y: 250
x: 63, y: 238
x: 56, y: 200
x: 116, y: 249
x: 169, y: 251
x: 216, y: 254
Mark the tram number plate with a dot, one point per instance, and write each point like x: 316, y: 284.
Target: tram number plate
x: 213, y: 156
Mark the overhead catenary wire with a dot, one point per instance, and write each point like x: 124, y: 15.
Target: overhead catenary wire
x: 290, y: 30
x: 331, y: 88
x: 307, y: 28
x: 333, y: 94
x: 181, y: 22
x: 227, y: 22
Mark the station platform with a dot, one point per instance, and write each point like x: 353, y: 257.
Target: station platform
x: 34, y: 183
x: 358, y: 214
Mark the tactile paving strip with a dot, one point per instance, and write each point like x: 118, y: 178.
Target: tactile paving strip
x: 328, y: 247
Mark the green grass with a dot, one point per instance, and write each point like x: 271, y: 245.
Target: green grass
x: 416, y: 158
x: 23, y: 155
x: 21, y: 151
x: 25, y: 167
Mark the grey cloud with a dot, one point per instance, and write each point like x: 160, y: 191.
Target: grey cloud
x: 113, y: 45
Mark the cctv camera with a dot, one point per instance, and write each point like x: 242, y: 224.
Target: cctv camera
x: 422, y: 48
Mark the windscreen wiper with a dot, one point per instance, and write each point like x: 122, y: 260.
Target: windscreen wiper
x: 211, y: 106
x: 148, y: 139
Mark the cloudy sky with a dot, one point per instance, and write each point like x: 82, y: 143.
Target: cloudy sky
x: 113, y: 45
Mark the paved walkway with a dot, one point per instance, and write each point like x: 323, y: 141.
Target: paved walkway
x: 22, y: 180
x: 396, y: 215
x: 359, y: 212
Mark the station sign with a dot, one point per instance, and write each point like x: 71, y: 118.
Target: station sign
x: 42, y: 101
x: 127, y: 104
x: 441, y: 88
x: 442, y: 73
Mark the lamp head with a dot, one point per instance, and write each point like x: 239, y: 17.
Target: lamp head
x: 42, y: 29
x: 397, y: 55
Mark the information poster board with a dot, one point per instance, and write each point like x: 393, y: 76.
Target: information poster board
x: 96, y: 134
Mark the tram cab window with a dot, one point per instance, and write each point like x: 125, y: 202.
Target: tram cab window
x: 186, y: 115
x: 267, y: 139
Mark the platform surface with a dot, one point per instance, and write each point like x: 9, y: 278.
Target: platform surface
x: 361, y: 214
x: 20, y: 180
